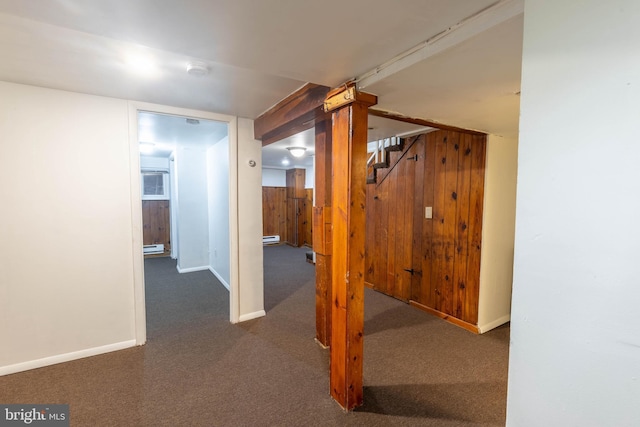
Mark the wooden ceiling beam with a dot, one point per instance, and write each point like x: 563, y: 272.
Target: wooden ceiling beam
x: 295, y: 113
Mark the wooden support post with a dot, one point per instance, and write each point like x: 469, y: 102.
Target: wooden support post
x: 349, y: 160
x: 322, y: 230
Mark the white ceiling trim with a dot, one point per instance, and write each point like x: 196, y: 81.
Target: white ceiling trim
x: 464, y: 30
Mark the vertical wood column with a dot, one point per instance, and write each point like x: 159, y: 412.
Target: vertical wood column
x: 349, y: 159
x: 322, y: 231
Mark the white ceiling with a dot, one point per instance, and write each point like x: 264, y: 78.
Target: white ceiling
x: 379, y: 128
x: 469, y: 87
x: 165, y: 132
x: 258, y: 52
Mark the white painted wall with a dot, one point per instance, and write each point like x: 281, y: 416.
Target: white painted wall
x: 154, y: 163
x: 71, y: 179
x: 218, y: 188
x: 575, y: 341
x: 274, y: 177
x: 278, y: 177
x: 193, y: 207
x: 249, y: 199
x: 66, y: 274
x: 310, y: 176
x: 498, y: 229
x: 174, y: 196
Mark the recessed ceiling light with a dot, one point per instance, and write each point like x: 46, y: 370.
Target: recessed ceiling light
x: 285, y: 162
x: 197, y: 69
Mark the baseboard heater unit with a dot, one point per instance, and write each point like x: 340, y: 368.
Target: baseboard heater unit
x: 153, y: 249
x: 270, y: 240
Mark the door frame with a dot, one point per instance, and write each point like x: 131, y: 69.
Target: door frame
x: 135, y: 107
x: 173, y: 206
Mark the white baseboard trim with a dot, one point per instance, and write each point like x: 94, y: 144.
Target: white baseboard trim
x: 66, y: 357
x: 251, y: 316
x: 492, y: 325
x: 219, y: 277
x: 191, y: 269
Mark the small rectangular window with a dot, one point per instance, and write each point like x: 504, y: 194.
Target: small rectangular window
x: 155, y: 186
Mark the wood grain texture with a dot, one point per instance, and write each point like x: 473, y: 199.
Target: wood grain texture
x: 451, y: 319
x: 274, y: 213
x: 426, y: 293
x: 401, y: 276
x: 295, y: 222
x: 450, y: 209
x: 339, y: 381
x: 462, y: 226
x: 439, y: 204
x: 418, y: 217
x: 156, y: 224
x: 348, y: 219
x: 445, y: 250
x: 476, y: 199
x: 392, y: 226
x: 323, y: 150
x: 295, y: 181
x: 391, y: 210
x: 370, y: 236
x: 322, y: 230
x: 295, y: 203
x: 323, y: 299
x: 294, y: 114
x: 307, y: 218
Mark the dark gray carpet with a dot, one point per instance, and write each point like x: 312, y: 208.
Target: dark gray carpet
x: 199, y: 370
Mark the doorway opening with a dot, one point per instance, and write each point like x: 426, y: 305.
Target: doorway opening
x: 182, y: 162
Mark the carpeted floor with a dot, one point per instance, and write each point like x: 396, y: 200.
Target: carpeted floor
x: 199, y: 370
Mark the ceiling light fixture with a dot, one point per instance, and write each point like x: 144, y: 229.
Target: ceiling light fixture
x: 197, y: 69
x: 285, y: 162
x: 297, y: 151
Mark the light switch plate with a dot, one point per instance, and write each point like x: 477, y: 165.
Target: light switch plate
x: 428, y: 212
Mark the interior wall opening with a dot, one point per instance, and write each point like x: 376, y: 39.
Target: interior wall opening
x: 184, y: 177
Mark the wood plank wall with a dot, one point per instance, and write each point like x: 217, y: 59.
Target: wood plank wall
x: 274, y: 214
x: 155, y: 223
x: 294, y: 225
x: 307, y: 225
x: 294, y: 234
x: 443, y: 252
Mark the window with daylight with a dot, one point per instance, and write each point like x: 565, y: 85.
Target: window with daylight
x: 155, y: 186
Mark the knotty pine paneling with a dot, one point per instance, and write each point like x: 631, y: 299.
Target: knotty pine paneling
x: 276, y: 208
x: 390, y: 225
x: 418, y: 215
x: 156, y: 223
x: 274, y: 212
x: 444, y: 251
x: 295, y: 179
x: 476, y: 199
x: 462, y: 226
x: 307, y: 224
